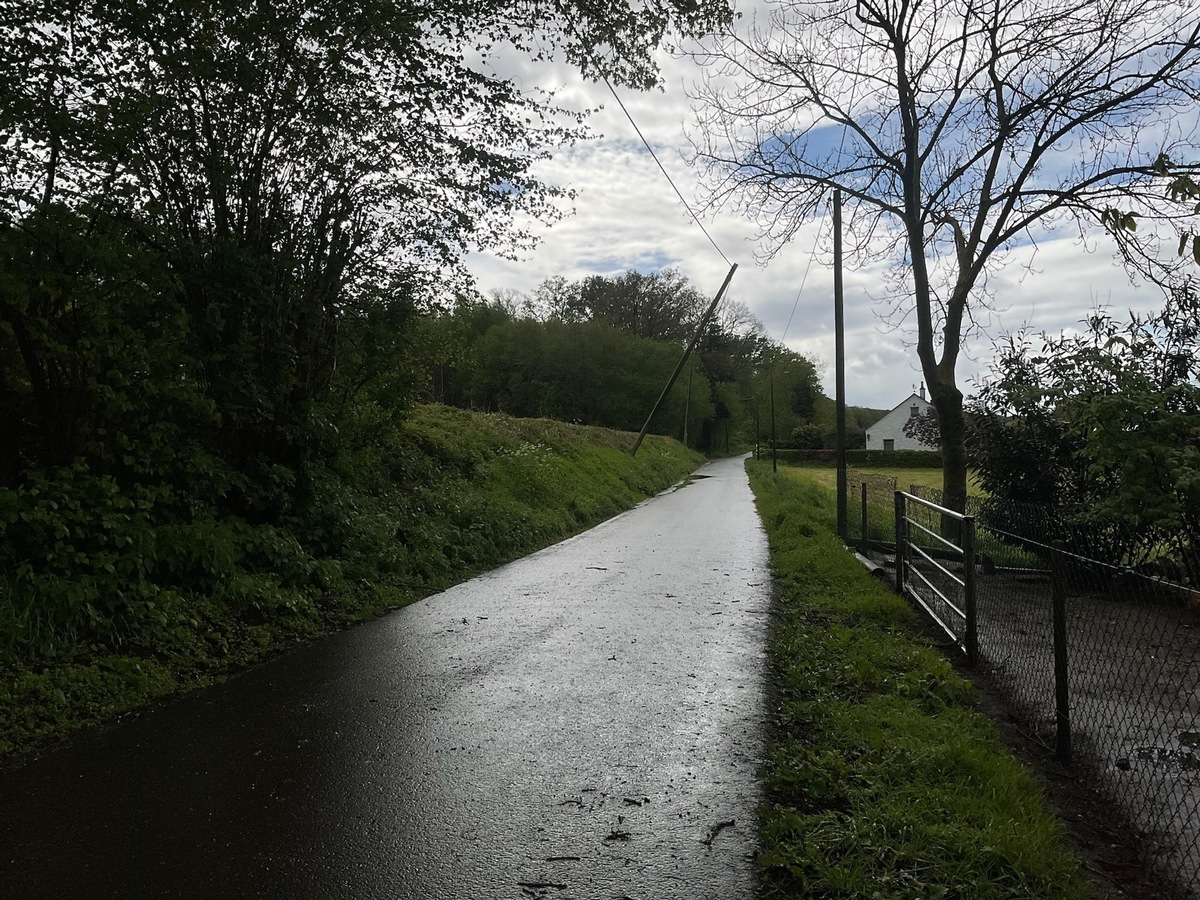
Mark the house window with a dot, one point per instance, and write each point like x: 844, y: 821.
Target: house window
x: 889, y: 444
x: 914, y: 411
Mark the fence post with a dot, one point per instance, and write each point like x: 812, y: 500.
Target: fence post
x: 968, y: 550
x: 1062, y: 695
x: 900, y: 540
x: 865, y: 533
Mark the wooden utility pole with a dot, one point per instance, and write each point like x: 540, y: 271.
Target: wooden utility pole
x: 757, y: 433
x: 839, y: 326
x: 686, y: 354
x: 771, y: 384
x: 687, y: 406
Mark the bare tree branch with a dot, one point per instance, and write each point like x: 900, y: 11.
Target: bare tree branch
x: 958, y: 131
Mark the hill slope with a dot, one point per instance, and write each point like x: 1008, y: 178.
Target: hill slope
x: 447, y: 494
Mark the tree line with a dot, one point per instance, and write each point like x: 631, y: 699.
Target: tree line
x: 598, y: 351
x: 218, y: 224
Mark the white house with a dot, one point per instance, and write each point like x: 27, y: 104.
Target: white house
x: 888, y: 432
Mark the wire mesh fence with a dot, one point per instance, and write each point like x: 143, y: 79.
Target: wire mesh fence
x: 870, y: 513
x: 1127, y: 673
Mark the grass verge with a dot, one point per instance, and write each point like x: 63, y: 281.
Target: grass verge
x: 883, y: 779
x: 448, y: 494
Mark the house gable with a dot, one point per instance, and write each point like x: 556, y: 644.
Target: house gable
x: 888, y: 432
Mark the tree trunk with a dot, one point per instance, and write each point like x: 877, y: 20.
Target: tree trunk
x: 948, y: 400
x: 954, y: 452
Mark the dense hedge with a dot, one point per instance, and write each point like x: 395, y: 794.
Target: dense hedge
x: 896, y: 459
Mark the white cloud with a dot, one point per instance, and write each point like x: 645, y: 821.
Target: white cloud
x: 627, y: 216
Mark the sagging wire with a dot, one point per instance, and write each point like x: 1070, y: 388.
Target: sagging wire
x: 661, y: 168
x: 628, y: 115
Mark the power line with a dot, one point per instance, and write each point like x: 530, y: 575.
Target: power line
x: 811, y: 256
x: 678, y: 193
x: 665, y: 173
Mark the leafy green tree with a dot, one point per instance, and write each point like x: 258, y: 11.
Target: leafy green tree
x: 239, y: 144
x: 659, y: 305
x: 1105, y: 426
x: 732, y: 356
x: 808, y: 437
x: 585, y: 372
x: 794, y: 381
x: 218, y: 221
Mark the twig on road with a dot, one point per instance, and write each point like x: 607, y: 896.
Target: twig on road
x: 714, y: 831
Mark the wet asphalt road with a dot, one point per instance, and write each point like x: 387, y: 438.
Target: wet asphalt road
x: 582, y: 723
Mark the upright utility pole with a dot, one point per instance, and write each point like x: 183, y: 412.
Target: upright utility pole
x: 757, y: 433
x: 771, y: 384
x: 687, y: 404
x: 839, y: 326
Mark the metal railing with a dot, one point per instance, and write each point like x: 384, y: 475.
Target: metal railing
x: 934, y: 571
x: 1098, y: 653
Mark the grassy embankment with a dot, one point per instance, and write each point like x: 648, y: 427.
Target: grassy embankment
x: 881, y: 510
x: 883, y: 780
x: 451, y: 494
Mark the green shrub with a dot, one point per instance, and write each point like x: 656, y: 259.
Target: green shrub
x: 93, y: 569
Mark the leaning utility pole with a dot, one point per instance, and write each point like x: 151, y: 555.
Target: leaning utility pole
x: 686, y: 353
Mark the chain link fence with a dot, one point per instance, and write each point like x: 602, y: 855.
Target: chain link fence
x: 1121, y: 698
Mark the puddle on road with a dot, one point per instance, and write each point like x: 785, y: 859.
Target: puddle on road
x: 685, y: 482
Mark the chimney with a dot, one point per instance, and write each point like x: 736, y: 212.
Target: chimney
x: 922, y: 390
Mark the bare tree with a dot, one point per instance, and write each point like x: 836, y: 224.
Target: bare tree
x: 958, y: 130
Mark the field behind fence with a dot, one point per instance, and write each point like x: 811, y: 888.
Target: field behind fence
x: 1129, y: 657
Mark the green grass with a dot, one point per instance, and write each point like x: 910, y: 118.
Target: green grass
x: 446, y: 495
x: 930, y: 478
x: 883, y: 779
x: 881, y: 510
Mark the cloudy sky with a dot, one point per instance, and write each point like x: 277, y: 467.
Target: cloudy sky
x: 626, y: 216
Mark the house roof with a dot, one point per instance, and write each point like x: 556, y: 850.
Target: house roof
x: 906, y: 401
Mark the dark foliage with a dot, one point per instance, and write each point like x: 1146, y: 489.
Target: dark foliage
x: 213, y: 242
x: 1104, y: 428
x: 551, y: 356
x: 924, y: 428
